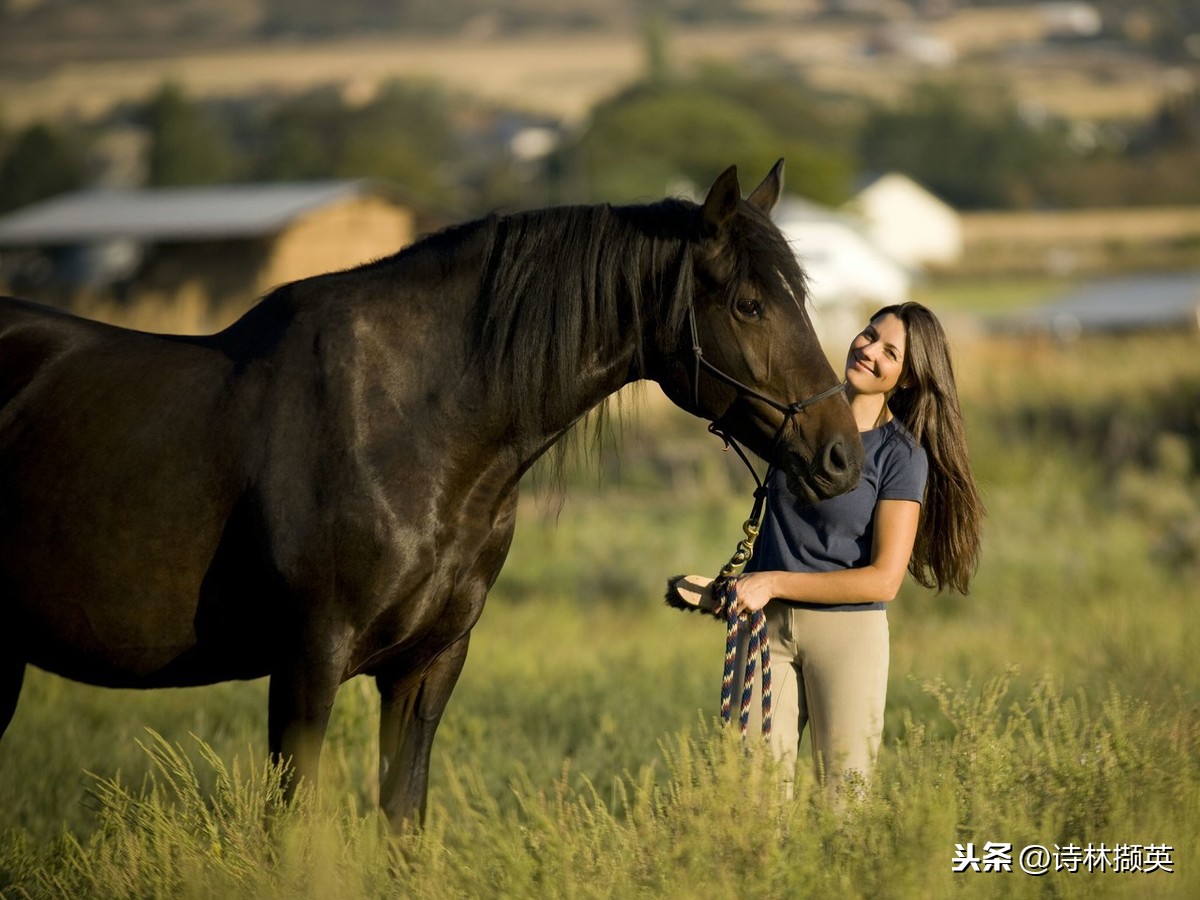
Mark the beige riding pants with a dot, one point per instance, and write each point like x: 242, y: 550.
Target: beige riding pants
x: 828, y: 672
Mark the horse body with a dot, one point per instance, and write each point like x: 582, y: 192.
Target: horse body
x: 328, y: 487
x: 100, y: 462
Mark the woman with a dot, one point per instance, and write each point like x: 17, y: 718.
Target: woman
x: 825, y: 572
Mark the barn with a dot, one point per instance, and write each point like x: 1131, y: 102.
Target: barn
x: 909, y: 223
x: 848, y: 275
x: 217, y: 248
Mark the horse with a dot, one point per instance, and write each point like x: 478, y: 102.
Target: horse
x: 327, y: 487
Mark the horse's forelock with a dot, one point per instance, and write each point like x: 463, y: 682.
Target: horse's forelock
x: 766, y: 258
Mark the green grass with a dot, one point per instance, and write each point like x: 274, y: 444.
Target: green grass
x: 989, y: 295
x: 1054, y: 705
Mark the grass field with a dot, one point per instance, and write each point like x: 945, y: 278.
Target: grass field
x: 1056, y: 705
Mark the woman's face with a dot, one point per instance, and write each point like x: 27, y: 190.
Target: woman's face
x: 876, y: 358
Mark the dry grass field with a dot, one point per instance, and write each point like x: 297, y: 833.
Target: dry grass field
x: 1087, y: 239
x: 564, y: 75
x: 1092, y: 240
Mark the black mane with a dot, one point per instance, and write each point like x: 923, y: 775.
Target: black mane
x: 567, y: 284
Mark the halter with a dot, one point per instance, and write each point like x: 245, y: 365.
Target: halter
x: 789, y: 410
x: 725, y: 587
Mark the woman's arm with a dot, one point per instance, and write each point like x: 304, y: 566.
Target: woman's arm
x: 891, y: 546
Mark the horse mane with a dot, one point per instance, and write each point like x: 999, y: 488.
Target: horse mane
x: 563, y: 285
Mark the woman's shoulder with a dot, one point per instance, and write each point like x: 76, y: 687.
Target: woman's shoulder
x: 895, y: 440
x: 891, y: 432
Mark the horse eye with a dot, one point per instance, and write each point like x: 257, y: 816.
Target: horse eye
x: 751, y: 309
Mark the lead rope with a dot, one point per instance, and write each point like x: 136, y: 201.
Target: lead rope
x: 758, y: 648
x: 725, y: 586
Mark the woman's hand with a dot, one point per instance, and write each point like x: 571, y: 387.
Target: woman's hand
x: 754, y: 591
x: 895, y: 531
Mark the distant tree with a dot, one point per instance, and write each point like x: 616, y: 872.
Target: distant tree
x: 302, y: 138
x: 187, y: 144
x: 1176, y: 124
x: 319, y: 18
x: 699, y: 11
x: 783, y: 99
x: 403, y: 136
x: 1163, y: 28
x: 1155, y: 162
x: 966, y: 143
x: 654, y: 42
x: 39, y: 162
x: 641, y: 142
x: 815, y: 135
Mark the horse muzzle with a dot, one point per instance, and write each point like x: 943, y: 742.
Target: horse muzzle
x: 832, y: 470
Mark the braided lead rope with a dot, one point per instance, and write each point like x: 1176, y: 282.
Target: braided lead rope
x: 758, y: 649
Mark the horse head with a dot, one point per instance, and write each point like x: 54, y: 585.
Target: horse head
x: 749, y: 360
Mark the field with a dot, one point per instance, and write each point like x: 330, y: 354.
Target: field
x: 1056, y: 705
x: 1085, y: 240
x: 565, y: 75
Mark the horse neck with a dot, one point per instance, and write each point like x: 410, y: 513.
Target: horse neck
x: 573, y: 333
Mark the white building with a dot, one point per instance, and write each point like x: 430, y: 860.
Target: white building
x: 909, y: 223
x: 849, y: 276
x: 1069, y: 19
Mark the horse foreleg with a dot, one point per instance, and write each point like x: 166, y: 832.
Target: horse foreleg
x: 300, y: 701
x: 409, y: 716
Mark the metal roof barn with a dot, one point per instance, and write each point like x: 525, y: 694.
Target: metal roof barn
x: 213, y: 250
x: 169, y: 214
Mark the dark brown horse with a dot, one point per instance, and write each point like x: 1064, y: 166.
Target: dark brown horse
x: 327, y: 488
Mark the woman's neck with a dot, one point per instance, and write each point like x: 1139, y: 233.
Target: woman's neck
x: 870, y: 410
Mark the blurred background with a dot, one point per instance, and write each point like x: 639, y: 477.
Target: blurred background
x: 192, y: 154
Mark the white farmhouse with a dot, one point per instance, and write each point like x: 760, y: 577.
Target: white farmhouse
x: 849, y: 276
x: 909, y: 223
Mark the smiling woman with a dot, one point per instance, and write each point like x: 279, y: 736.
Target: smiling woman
x: 825, y: 571
x: 876, y: 357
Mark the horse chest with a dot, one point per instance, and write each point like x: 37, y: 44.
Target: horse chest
x: 431, y: 596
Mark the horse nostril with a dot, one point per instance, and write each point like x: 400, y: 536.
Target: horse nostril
x: 837, y: 460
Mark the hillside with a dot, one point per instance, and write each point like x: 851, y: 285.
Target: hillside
x: 561, y: 67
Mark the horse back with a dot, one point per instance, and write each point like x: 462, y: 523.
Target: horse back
x: 30, y: 335
x: 68, y: 364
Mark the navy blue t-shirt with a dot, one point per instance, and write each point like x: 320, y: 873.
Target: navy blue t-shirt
x: 836, y: 533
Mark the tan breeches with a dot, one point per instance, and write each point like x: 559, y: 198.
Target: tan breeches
x: 829, y: 672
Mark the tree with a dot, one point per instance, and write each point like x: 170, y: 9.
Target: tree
x: 41, y: 161
x: 187, y: 145
x: 403, y: 136
x: 654, y: 43
x: 301, y: 140
x: 641, y: 142
x: 967, y: 144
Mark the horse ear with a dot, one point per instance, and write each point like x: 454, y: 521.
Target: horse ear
x: 766, y: 195
x: 721, y: 202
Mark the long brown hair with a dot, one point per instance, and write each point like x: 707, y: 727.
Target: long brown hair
x: 946, y: 552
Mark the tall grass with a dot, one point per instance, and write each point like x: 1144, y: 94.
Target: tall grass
x: 1055, y: 705
x: 1042, y: 768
